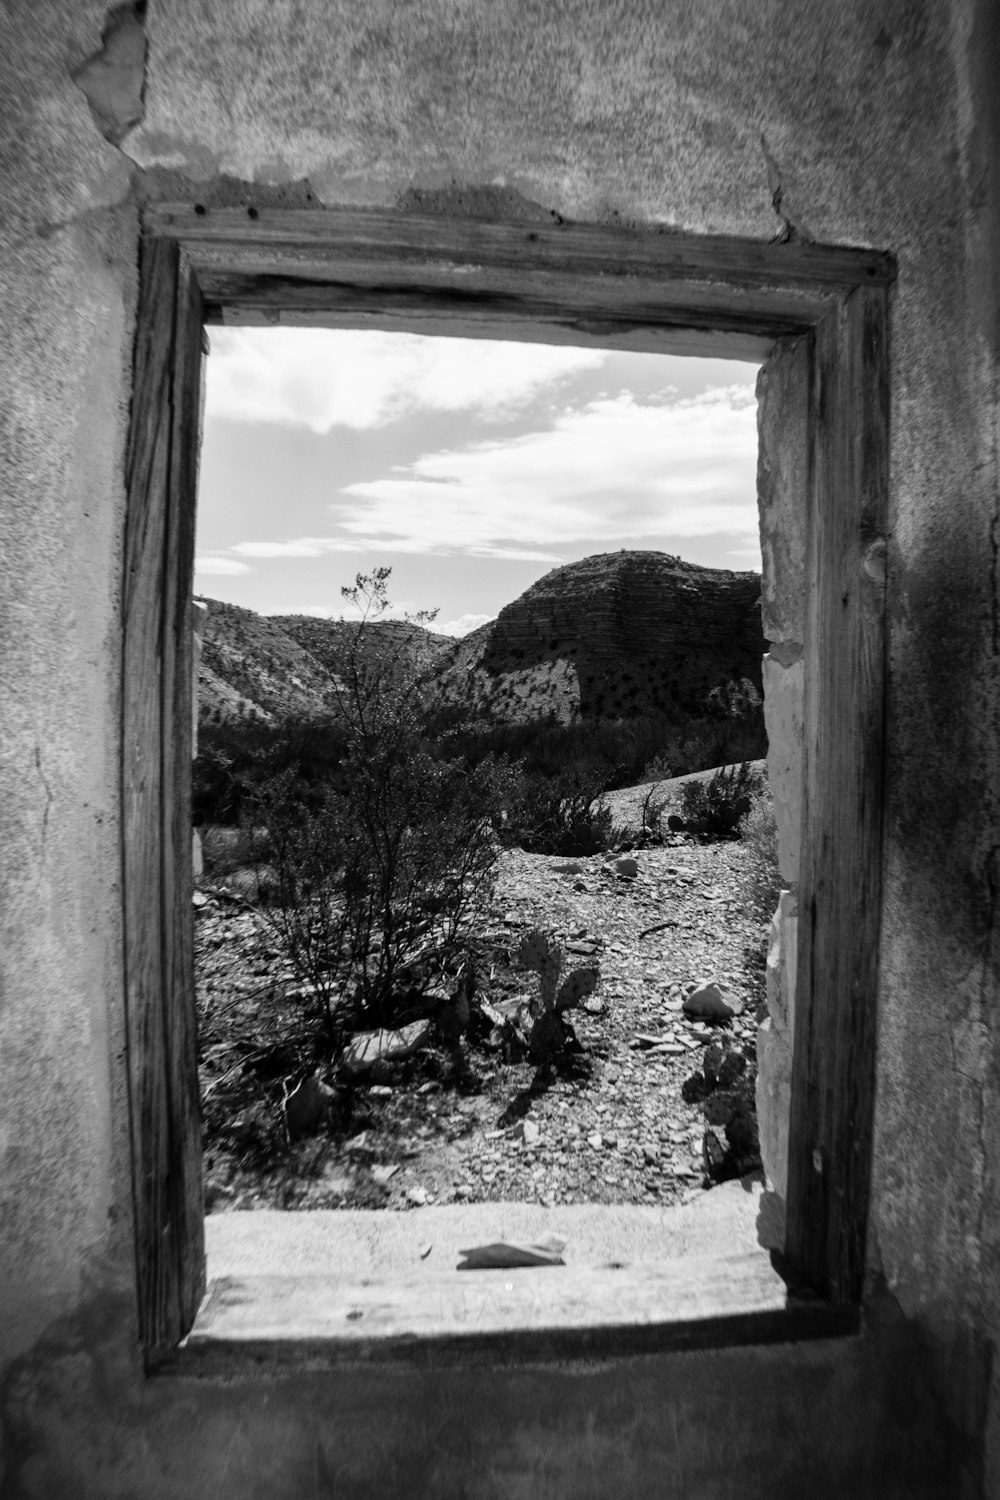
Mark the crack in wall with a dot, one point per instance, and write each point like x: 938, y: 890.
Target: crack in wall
x: 789, y: 233
x: 48, y: 795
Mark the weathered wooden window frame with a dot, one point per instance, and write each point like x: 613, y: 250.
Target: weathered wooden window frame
x: 622, y: 288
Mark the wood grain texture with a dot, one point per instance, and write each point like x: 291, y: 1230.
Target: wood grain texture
x: 179, y: 995
x: 833, y: 1076
x: 156, y: 808
x: 590, y: 278
x: 384, y: 236
x: 499, y: 1316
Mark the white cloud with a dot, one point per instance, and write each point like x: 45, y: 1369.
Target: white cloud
x: 308, y: 377
x: 221, y: 567
x: 342, y: 611
x: 462, y: 625
x: 614, y: 471
x: 302, y: 548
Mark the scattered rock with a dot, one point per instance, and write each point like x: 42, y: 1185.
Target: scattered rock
x: 627, y: 867
x: 711, y: 1000
x: 369, y: 1048
x: 338, y: 1183
x: 382, y: 1172
x: 306, y: 1105
x: 632, y: 1102
x: 417, y: 1196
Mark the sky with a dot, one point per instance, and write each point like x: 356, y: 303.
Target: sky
x: 470, y: 467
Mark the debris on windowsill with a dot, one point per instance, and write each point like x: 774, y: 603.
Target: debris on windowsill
x: 501, y: 1256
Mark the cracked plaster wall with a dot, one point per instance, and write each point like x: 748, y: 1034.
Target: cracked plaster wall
x: 868, y: 122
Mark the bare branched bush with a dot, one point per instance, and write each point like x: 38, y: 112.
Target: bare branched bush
x: 397, y: 855
x: 654, y: 805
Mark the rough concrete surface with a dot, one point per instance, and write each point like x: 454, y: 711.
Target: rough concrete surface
x: 868, y: 122
x: 368, y: 1242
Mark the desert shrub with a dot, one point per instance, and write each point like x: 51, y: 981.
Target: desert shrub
x: 560, y: 815
x: 734, y: 699
x: 656, y: 770
x: 715, y: 807
x: 306, y: 911
x: 652, y: 809
x: 235, y: 860
x: 236, y: 757
x: 760, y: 880
x: 395, y: 854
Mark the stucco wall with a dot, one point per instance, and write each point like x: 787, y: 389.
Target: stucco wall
x: 866, y: 122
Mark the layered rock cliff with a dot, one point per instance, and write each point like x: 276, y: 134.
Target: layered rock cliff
x: 619, y: 633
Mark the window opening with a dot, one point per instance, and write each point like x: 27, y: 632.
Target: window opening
x: 585, y: 523
x: 818, y: 312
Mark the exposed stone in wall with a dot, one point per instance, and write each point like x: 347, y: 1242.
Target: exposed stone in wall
x: 782, y: 473
x: 784, y: 689
x: 774, y: 1044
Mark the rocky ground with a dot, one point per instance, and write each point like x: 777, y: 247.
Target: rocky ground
x: 650, y: 1109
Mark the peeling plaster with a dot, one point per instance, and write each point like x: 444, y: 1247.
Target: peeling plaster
x: 175, y: 153
x: 113, y: 79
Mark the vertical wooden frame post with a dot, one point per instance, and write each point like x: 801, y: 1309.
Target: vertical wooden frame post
x: 833, y: 1070
x: 156, y: 798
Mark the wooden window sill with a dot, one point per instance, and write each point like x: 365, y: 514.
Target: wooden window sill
x: 500, y: 1317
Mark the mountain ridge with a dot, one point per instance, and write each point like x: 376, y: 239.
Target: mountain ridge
x: 612, y: 635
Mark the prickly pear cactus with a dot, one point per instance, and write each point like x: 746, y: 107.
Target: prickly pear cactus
x: 576, y: 987
x: 540, y: 952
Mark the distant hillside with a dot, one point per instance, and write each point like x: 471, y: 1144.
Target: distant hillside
x: 327, y: 640
x: 274, y: 667
x: 616, y: 635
